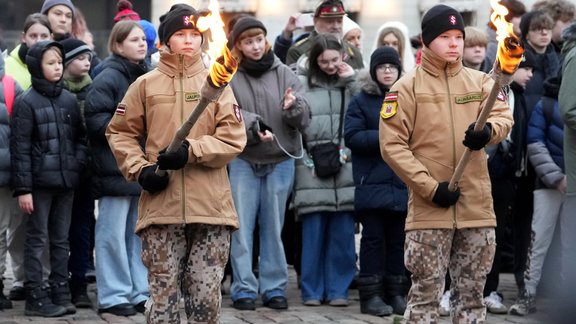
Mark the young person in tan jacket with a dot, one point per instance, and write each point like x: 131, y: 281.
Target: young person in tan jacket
x: 426, y: 123
x: 185, y: 218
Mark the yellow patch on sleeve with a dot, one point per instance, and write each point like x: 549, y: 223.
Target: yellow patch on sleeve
x: 389, y: 106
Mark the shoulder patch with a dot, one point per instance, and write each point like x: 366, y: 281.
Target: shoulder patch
x: 501, y: 95
x: 302, y: 41
x: 121, y: 109
x: 469, y: 98
x: 390, y: 105
x: 237, y: 112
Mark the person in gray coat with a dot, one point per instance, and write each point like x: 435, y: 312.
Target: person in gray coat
x: 275, y: 113
x: 324, y: 202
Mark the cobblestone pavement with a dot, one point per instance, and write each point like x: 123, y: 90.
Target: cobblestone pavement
x: 297, y: 313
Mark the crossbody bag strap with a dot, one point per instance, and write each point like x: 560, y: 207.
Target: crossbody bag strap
x: 341, y: 121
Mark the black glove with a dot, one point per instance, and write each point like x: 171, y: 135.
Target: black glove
x: 175, y: 160
x: 150, y: 181
x: 445, y: 197
x: 476, y: 140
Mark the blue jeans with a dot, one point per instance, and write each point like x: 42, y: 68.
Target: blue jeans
x: 328, y: 255
x: 259, y: 199
x: 121, y: 276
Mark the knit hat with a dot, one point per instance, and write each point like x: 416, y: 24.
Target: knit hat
x: 528, y: 60
x: 348, y: 25
x: 51, y: 3
x: 438, y: 20
x: 73, y: 48
x: 125, y: 11
x: 384, y: 55
x: 330, y: 9
x: 244, y: 24
x: 180, y: 16
x: 150, y: 32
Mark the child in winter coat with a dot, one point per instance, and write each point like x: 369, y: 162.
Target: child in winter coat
x: 48, y: 147
x: 186, y: 217
x: 77, y: 63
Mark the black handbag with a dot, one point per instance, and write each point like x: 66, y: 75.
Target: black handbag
x: 326, y: 156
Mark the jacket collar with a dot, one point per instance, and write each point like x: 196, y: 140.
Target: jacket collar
x: 435, y: 65
x: 173, y: 64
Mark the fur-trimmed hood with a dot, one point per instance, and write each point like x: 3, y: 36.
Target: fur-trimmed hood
x: 366, y: 84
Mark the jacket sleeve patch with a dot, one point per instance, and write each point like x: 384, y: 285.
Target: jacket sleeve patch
x: 501, y: 95
x: 237, y: 112
x: 121, y: 109
x: 389, y: 106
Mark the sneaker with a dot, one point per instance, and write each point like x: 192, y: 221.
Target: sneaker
x: 524, y: 305
x: 312, y: 302
x: 245, y: 304
x: 17, y: 293
x: 444, y: 308
x: 338, y: 302
x: 277, y: 302
x: 494, y: 304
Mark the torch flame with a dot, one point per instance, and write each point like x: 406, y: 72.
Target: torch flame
x: 510, y: 49
x: 223, y: 65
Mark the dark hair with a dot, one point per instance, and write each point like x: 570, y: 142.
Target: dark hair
x: 320, y: 43
x: 557, y: 9
x: 515, y: 9
x: 36, y: 18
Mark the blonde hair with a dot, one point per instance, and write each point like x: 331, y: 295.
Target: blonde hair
x: 399, y: 30
x: 119, y: 33
x: 475, y: 37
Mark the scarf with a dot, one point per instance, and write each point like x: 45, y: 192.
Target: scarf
x: 257, y: 68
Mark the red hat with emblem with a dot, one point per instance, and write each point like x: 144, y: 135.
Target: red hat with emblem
x: 438, y: 20
x: 330, y: 9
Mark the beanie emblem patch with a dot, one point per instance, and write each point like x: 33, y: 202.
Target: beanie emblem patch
x: 453, y: 20
x: 189, y: 21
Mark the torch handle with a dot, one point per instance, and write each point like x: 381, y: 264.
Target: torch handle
x: 480, y: 122
x: 184, y: 130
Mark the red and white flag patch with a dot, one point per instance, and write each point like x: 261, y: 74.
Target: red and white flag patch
x: 121, y: 109
x: 237, y: 112
x: 391, y: 96
x: 501, y: 96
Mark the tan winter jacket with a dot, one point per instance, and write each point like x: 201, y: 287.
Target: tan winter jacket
x: 422, y: 141
x: 154, y: 107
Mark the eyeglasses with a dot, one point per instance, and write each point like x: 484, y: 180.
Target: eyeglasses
x: 387, y: 68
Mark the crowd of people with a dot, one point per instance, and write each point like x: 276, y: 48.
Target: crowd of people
x: 309, y: 138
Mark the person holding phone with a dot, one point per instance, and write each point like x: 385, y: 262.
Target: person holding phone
x: 274, y: 112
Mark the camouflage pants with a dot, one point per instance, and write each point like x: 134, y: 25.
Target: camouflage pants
x: 468, y: 253
x: 186, y: 260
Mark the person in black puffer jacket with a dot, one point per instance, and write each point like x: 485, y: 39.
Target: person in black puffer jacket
x: 48, y: 146
x: 121, y: 277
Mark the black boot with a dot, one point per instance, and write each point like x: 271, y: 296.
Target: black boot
x: 5, y: 303
x: 370, y: 300
x: 60, y: 294
x: 38, y: 303
x: 396, y: 290
x: 79, y: 292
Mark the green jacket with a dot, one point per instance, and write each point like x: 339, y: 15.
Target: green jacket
x: 18, y: 69
x: 567, y: 100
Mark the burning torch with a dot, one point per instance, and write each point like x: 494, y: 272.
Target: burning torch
x: 222, y: 70
x: 508, y: 58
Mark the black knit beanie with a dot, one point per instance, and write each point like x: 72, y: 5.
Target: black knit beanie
x: 73, y: 48
x: 179, y: 17
x: 246, y: 23
x: 439, y: 19
x: 528, y: 60
x: 384, y: 55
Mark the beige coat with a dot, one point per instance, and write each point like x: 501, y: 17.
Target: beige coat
x: 422, y: 141
x: 155, y: 106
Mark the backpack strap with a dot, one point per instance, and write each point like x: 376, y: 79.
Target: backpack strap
x: 8, y: 83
